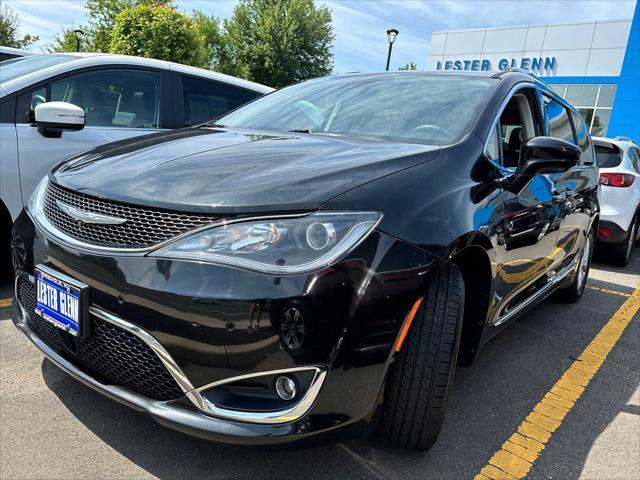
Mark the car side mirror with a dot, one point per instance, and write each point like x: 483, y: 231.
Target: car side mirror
x: 548, y: 155
x: 52, y: 118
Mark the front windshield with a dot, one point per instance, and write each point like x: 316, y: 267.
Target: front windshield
x: 430, y: 109
x: 10, y: 69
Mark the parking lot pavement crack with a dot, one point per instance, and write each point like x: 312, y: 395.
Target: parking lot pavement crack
x: 361, y: 461
x: 518, y: 454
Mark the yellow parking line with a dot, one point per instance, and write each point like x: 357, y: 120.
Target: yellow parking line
x: 5, y: 302
x: 516, y: 457
x: 606, y: 290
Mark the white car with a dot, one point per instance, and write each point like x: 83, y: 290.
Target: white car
x: 118, y: 97
x: 8, y: 53
x: 619, y: 228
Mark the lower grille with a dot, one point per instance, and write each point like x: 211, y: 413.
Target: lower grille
x: 109, y: 351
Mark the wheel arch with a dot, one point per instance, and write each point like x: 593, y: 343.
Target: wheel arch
x: 475, y: 257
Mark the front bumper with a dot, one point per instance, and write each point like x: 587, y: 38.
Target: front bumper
x: 215, y: 323
x: 177, y: 415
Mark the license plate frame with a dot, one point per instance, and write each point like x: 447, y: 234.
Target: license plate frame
x: 69, y: 287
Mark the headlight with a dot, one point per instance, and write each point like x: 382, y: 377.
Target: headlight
x: 35, y: 205
x: 278, y: 245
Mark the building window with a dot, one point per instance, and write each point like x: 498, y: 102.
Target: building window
x: 594, y: 102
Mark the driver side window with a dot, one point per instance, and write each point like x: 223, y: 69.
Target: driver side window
x: 515, y: 127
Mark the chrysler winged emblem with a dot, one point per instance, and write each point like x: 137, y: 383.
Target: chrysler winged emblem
x: 89, y: 217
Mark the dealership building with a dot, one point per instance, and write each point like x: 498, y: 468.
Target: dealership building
x: 595, y: 66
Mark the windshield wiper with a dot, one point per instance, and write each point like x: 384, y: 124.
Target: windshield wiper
x: 300, y: 130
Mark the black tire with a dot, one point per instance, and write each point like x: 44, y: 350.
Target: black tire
x: 574, y: 291
x: 620, y: 254
x: 416, y: 392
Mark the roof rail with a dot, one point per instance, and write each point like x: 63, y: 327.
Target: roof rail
x: 514, y: 69
x: 622, y: 138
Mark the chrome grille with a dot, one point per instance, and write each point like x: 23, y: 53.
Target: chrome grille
x: 144, y: 227
x: 109, y: 351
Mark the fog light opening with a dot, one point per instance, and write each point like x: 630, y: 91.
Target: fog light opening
x: 286, y: 388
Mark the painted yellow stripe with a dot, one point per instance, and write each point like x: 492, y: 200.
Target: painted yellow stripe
x: 516, y: 457
x: 606, y: 290
x: 5, y: 302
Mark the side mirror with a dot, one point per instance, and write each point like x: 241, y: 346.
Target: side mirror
x: 548, y: 155
x: 54, y: 117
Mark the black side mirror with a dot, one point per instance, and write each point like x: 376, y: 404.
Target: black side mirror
x: 548, y: 155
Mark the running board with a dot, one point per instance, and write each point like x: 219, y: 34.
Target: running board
x: 553, y: 281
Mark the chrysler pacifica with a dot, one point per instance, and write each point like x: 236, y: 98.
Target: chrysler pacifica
x: 313, y: 264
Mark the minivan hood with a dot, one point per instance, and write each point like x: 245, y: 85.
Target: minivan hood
x: 223, y: 170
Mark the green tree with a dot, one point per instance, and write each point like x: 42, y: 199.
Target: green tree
x: 9, y: 25
x: 65, y: 41
x: 277, y: 42
x: 102, y: 15
x: 158, y: 31
x: 209, y: 26
x: 409, y: 66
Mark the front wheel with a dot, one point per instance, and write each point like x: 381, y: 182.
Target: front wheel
x: 415, y: 396
x: 573, y: 292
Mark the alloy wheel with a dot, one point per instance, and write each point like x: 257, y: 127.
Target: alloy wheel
x: 583, y: 269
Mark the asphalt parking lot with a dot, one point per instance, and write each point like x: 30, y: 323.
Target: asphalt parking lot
x: 53, y: 427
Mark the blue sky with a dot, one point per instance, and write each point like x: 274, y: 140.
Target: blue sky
x: 360, y: 25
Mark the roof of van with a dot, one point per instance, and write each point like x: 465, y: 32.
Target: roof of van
x: 89, y: 59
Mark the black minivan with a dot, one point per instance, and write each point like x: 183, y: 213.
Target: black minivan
x: 313, y: 264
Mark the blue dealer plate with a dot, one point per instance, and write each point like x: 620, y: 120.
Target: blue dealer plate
x: 59, y: 300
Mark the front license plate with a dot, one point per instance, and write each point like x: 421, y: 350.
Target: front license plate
x: 61, y: 300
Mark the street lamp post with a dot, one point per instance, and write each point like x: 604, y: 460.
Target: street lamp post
x: 78, y: 34
x: 392, y: 33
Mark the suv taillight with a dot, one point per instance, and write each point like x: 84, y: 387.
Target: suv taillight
x: 616, y: 179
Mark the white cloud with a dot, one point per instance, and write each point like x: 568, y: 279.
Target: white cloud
x: 45, y: 18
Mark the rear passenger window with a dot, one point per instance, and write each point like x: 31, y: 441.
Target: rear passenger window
x: 584, y: 141
x: 609, y: 156
x: 205, y: 100
x: 556, y: 119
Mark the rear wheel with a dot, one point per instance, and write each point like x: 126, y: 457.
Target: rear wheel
x: 573, y: 292
x: 416, y: 393
x: 620, y: 254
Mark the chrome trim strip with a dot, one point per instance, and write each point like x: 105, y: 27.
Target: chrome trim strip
x: 195, y: 394
x: 17, y: 298
x: 278, y: 416
x: 166, y: 413
x: 537, y: 295
x: 146, y: 337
